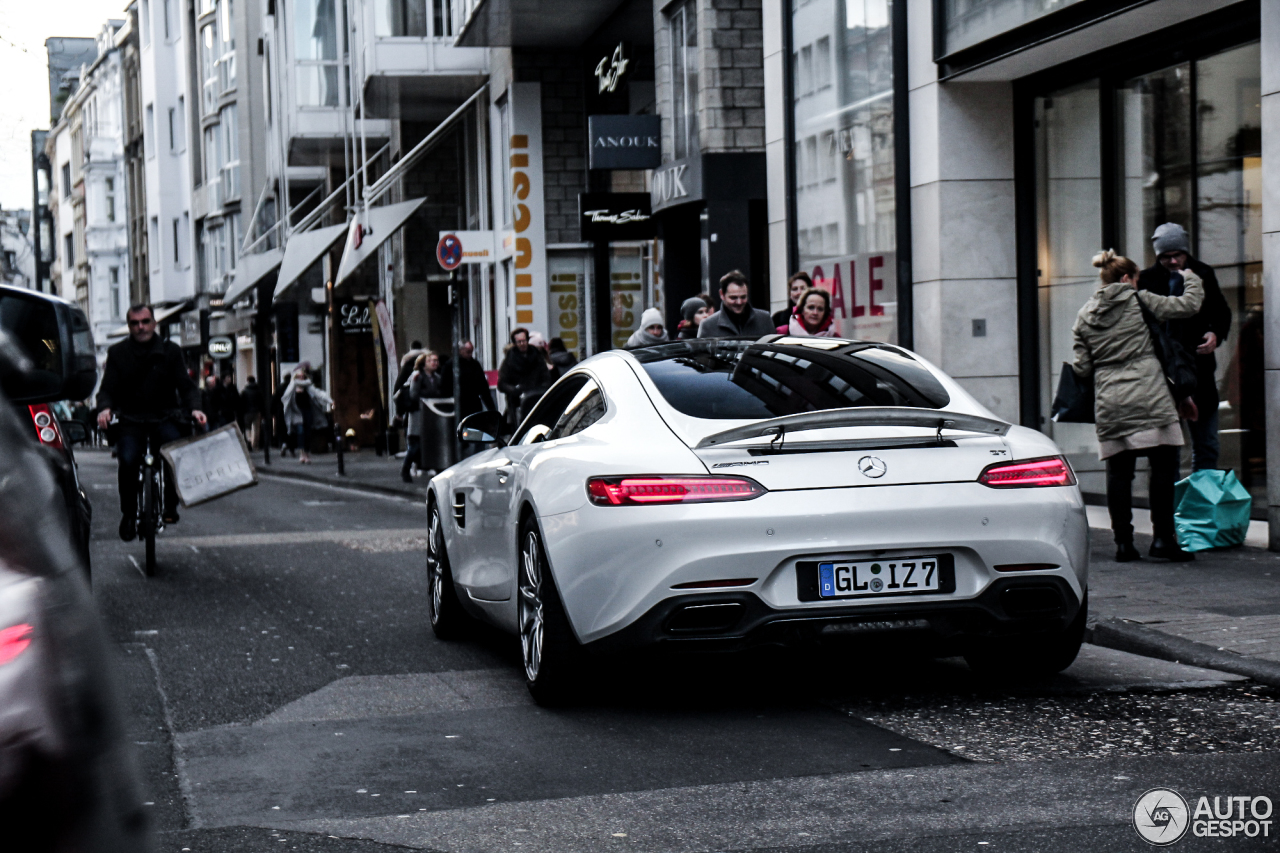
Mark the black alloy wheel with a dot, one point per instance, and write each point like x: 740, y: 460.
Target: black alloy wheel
x: 448, y: 619
x: 551, y: 653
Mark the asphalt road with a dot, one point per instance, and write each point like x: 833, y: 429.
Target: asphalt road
x: 286, y: 693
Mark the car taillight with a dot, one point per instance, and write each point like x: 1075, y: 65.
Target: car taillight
x: 46, y: 425
x: 1050, y: 471
x: 14, y: 641
x: 659, y: 489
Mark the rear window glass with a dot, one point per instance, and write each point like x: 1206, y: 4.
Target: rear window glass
x: 731, y: 379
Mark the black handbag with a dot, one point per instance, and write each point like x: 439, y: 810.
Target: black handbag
x: 1178, y: 364
x: 1073, y: 404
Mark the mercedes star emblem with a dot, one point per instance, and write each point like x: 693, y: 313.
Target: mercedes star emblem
x: 872, y: 467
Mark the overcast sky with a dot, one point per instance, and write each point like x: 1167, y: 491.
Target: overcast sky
x: 24, y: 77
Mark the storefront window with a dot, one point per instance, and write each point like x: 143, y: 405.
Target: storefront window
x: 1187, y: 149
x: 1069, y: 192
x: 968, y: 22
x: 843, y: 100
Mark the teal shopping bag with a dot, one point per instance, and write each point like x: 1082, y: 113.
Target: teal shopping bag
x: 1212, y: 510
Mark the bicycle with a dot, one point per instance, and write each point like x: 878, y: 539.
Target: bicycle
x: 151, y: 477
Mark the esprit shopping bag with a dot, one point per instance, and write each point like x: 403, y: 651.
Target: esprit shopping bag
x: 1212, y: 510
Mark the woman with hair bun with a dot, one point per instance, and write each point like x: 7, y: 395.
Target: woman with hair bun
x: 1135, y: 413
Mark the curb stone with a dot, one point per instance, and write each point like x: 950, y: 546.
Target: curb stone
x: 342, y: 483
x: 1128, y: 637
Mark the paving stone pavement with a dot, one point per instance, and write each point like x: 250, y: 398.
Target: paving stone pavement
x: 1228, y: 600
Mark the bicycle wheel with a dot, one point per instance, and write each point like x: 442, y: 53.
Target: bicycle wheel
x: 149, y: 516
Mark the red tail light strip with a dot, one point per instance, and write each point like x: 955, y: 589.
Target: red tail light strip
x: 14, y: 641
x: 646, y: 490
x: 1049, y: 471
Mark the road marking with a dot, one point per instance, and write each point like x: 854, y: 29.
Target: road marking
x: 135, y: 565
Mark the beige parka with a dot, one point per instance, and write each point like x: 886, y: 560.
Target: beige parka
x: 1113, y: 343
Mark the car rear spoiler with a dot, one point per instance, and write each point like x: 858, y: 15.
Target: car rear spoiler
x: 777, y: 428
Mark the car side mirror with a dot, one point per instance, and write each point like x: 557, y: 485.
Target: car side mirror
x: 484, y: 427
x: 48, y: 349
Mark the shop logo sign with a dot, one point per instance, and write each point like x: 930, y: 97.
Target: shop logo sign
x: 676, y: 183
x: 611, y: 68
x: 624, y: 141
x: 615, y: 216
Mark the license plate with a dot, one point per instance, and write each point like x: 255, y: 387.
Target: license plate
x: 878, y: 577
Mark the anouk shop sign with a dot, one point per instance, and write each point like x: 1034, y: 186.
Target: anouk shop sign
x: 625, y: 141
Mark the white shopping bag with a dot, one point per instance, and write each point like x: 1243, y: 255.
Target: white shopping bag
x: 211, y: 465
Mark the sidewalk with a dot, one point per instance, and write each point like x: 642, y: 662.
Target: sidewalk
x: 364, y: 470
x: 1221, y: 611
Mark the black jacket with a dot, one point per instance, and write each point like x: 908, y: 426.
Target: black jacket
x: 1214, y: 316
x: 147, y: 379
x: 475, y: 395
x: 251, y: 398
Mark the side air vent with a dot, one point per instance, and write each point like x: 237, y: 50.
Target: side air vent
x: 460, y: 508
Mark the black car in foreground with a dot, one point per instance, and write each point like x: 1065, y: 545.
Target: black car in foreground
x: 67, y: 779
x: 53, y: 336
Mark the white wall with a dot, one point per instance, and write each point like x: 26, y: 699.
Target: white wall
x: 1271, y: 253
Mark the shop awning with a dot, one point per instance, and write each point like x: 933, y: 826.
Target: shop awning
x: 369, y: 230
x: 303, y: 250
x: 250, y: 270
x: 161, y: 315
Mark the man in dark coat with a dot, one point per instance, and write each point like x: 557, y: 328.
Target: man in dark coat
x: 145, y: 378
x: 476, y: 395
x: 1201, y: 334
x: 736, y: 317
x: 251, y: 412
x: 523, y: 371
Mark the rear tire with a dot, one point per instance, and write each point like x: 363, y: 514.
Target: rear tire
x: 448, y: 619
x: 1033, y: 656
x: 551, y: 653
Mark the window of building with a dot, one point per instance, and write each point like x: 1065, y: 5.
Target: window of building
x: 153, y: 244
x: 967, y: 22
x: 682, y: 26
x: 113, y: 283
x: 226, y: 47
x: 184, y: 240
x: 211, y: 157
x: 66, y: 180
x: 229, y: 153
x: 68, y: 252
x: 144, y: 22
x: 109, y: 197
x: 317, y: 44
x: 209, y: 67
x: 396, y: 18
x: 170, y: 19
x: 843, y: 108
x: 149, y: 141
x: 182, y: 123
x: 177, y: 253
x: 173, y: 143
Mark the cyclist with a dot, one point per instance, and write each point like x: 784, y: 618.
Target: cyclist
x: 145, y: 383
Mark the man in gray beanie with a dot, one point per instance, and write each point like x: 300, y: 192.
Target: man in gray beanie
x: 1200, y: 334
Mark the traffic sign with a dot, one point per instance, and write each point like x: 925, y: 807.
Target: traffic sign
x: 449, y: 251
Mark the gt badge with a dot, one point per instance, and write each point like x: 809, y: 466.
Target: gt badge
x: 872, y: 466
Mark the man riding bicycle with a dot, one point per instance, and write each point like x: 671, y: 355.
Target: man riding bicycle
x: 145, y: 383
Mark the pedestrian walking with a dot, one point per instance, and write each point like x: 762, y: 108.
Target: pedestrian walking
x: 736, y: 317
x: 425, y: 382
x: 305, y: 407
x: 812, y: 317
x: 1200, y: 334
x: 562, y: 361
x: 693, y: 311
x: 523, y: 376
x: 475, y: 394
x: 1135, y: 413
x: 251, y: 412
x: 797, y: 286
x: 651, y: 331
x: 279, y: 427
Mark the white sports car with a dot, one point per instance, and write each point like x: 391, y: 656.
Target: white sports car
x: 720, y: 493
